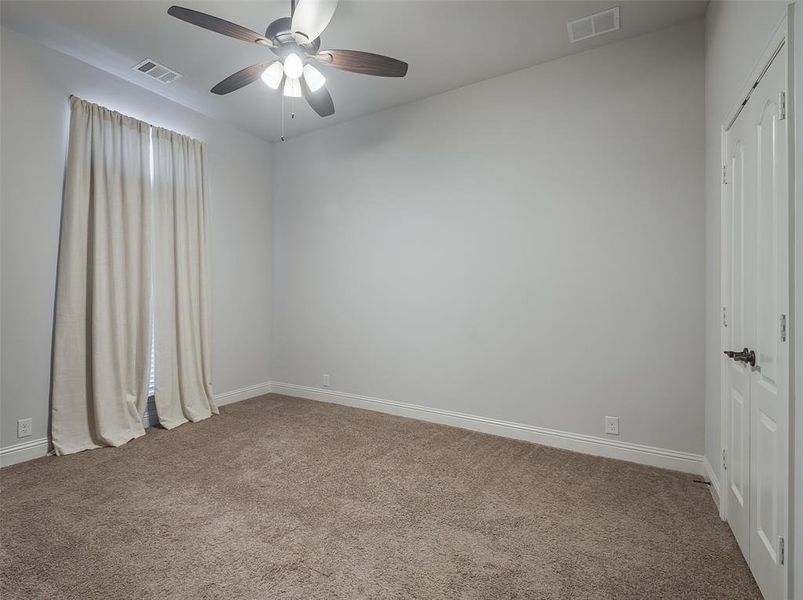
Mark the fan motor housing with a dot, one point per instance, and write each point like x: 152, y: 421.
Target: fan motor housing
x: 280, y: 33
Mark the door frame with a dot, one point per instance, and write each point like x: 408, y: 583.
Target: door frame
x: 782, y: 36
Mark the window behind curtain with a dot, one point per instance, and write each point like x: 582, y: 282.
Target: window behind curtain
x: 150, y: 418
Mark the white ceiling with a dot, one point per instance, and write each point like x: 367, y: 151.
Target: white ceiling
x: 448, y: 44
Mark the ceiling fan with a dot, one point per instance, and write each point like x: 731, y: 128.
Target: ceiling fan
x: 296, y: 41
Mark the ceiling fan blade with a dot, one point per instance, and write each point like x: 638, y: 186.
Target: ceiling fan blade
x: 240, y: 79
x: 310, y: 19
x: 363, y: 62
x: 319, y: 100
x: 218, y: 25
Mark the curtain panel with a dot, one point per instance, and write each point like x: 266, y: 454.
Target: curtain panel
x: 183, y: 371
x: 101, y: 336
x: 132, y: 259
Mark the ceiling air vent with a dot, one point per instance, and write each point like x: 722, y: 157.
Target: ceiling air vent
x: 151, y: 68
x: 588, y: 27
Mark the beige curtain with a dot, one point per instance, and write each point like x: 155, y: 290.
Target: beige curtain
x: 101, y: 335
x: 181, y: 295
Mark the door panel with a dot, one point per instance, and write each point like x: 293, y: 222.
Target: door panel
x: 739, y: 444
x: 766, y: 486
x: 767, y: 220
x: 737, y: 251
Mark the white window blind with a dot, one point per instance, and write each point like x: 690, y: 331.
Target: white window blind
x: 152, y: 365
x: 150, y: 418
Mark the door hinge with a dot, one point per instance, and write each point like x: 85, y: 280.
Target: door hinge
x: 724, y: 462
x: 724, y: 316
x: 724, y: 174
x: 782, y: 106
x: 781, y: 550
x: 783, y: 328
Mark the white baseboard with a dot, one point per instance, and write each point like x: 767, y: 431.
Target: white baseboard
x: 245, y: 393
x: 31, y: 449
x: 17, y: 453
x: 712, y: 477
x: 586, y: 444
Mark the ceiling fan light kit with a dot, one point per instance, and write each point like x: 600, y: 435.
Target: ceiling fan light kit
x: 292, y: 88
x: 293, y: 67
x: 273, y: 75
x: 296, y: 42
x: 313, y: 77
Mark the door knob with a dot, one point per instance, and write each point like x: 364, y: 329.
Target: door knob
x: 745, y: 356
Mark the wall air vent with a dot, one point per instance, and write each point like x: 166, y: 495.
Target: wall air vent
x: 588, y: 27
x: 153, y: 69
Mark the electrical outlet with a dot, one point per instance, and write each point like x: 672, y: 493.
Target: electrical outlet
x: 24, y: 427
x: 326, y: 380
x: 612, y: 425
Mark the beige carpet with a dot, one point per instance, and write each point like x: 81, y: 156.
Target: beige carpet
x: 286, y: 498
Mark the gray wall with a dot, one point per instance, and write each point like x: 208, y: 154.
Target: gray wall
x: 529, y: 248
x: 736, y: 36
x: 36, y: 84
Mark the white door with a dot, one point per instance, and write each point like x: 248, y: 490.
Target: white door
x: 757, y: 304
x: 738, y: 334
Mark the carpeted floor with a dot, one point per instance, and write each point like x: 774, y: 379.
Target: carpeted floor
x: 286, y: 498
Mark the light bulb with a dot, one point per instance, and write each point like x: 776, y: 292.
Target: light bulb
x: 292, y: 88
x: 314, y: 78
x: 272, y: 76
x: 293, y: 67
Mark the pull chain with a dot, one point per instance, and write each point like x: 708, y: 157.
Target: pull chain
x: 283, y: 117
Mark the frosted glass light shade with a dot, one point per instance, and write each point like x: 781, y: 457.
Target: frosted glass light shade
x: 272, y: 76
x: 292, y: 88
x: 293, y: 67
x: 314, y: 78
